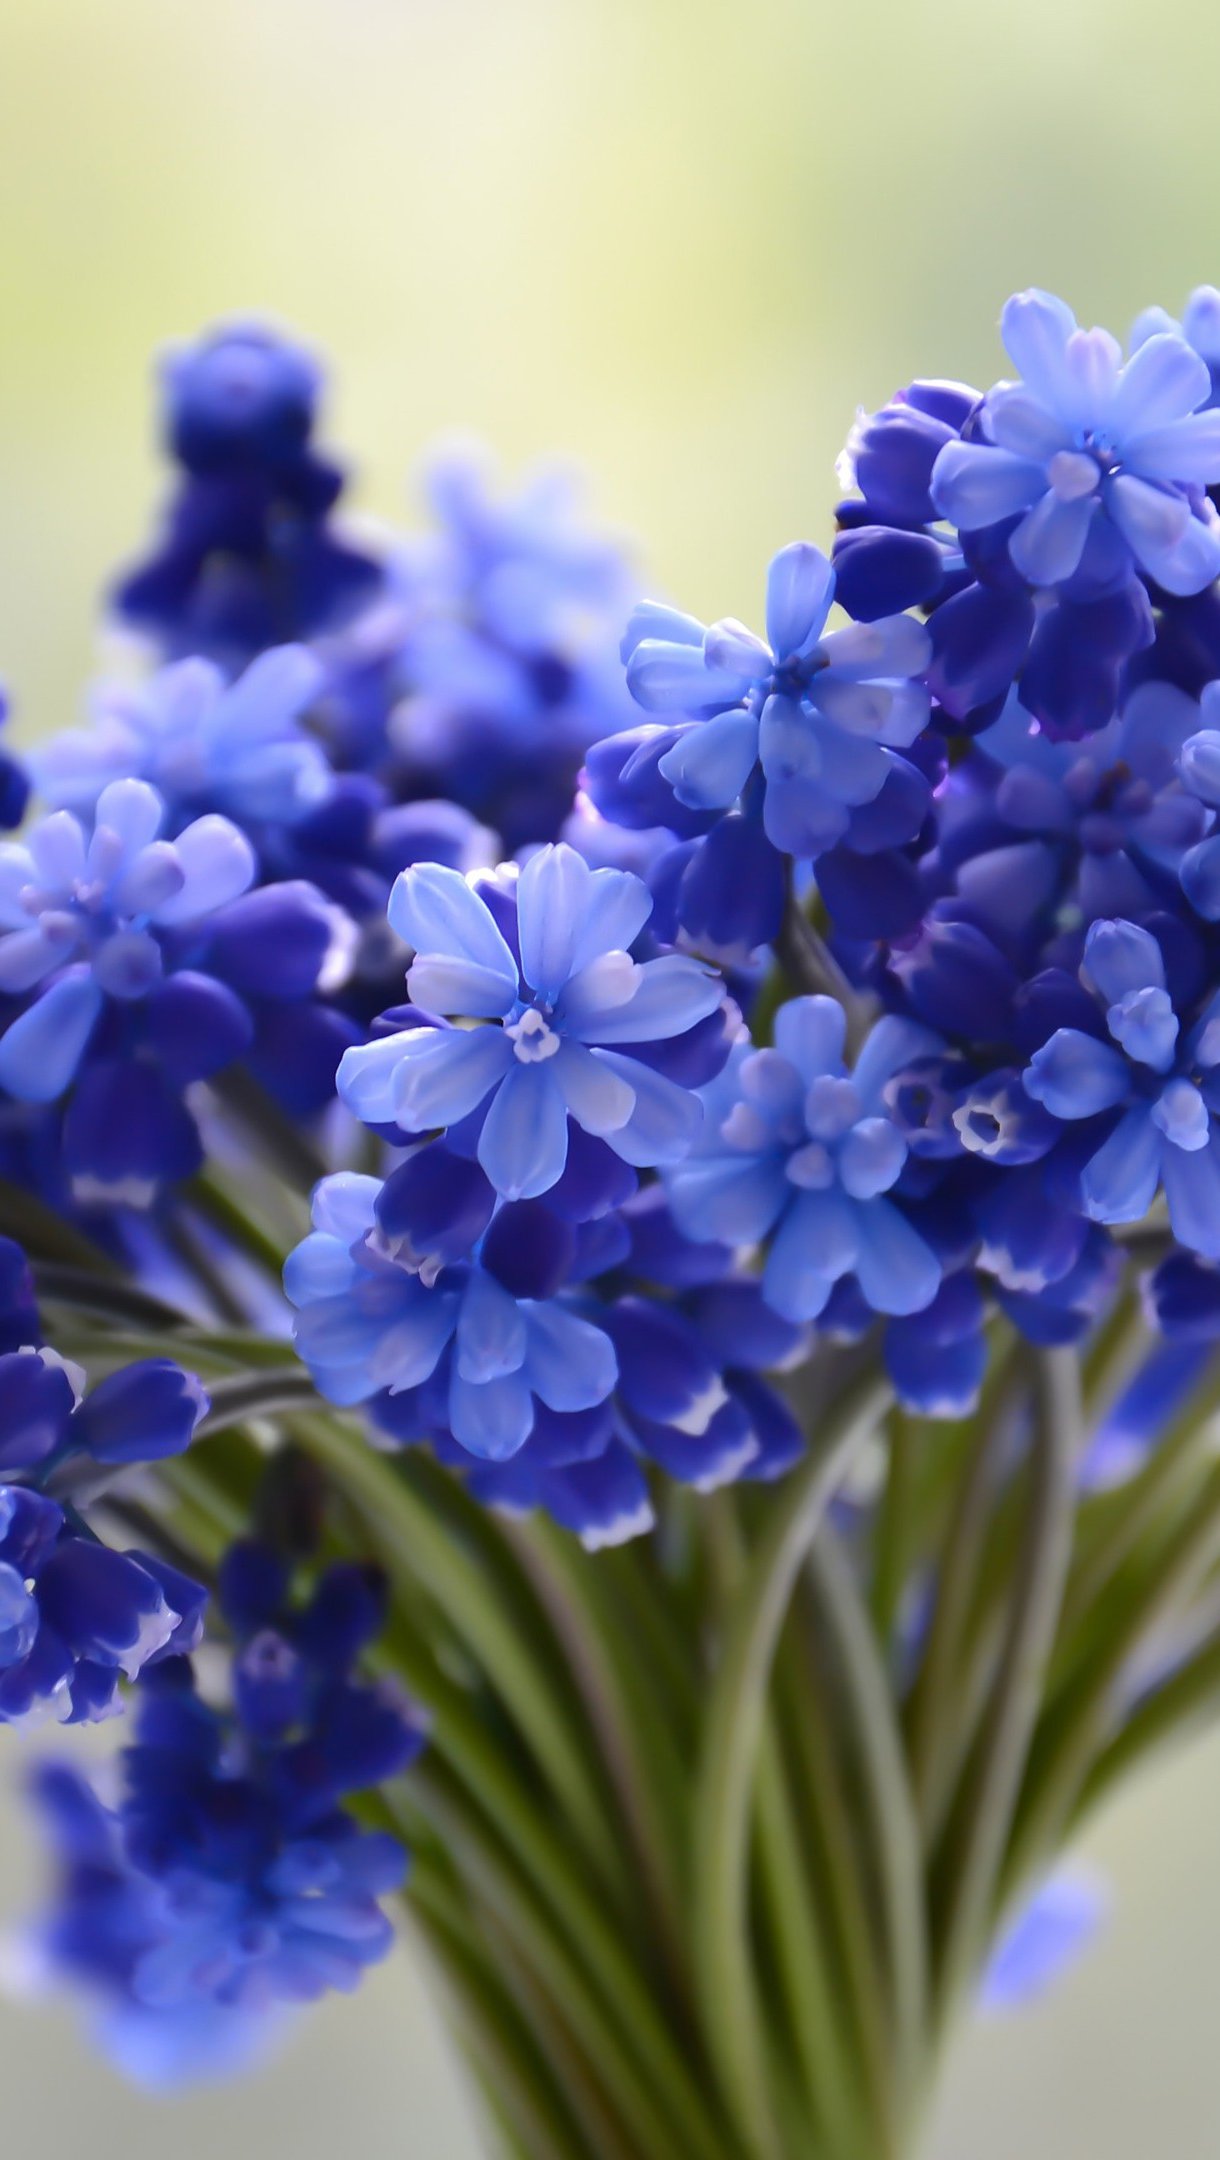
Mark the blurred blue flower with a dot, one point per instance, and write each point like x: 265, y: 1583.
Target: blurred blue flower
x: 1053, y: 1929
x: 572, y: 1026
x: 229, y: 1883
x: 247, y: 557
x: 203, y: 742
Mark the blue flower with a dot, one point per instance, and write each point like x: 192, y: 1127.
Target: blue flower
x: 248, y: 557
x: 204, y: 743
x: 229, y: 1883
x: 1051, y: 1931
x: 87, y: 914
x: 1199, y: 325
x: 1029, y: 821
x: 492, y: 1340
x: 73, y: 1613
x: 571, y: 1026
x: 820, y: 713
x: 1086, y: 456
x: 1160, y: 1081
x: 14, y: 781
x: 801, y: 1153
x: 492, y: 663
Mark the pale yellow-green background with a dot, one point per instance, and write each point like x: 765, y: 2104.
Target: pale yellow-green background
x: 679, y: 239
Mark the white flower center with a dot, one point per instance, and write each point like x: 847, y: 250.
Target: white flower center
x: 531, y: 1038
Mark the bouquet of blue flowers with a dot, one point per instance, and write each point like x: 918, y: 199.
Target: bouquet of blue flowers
x: 610, y: 1274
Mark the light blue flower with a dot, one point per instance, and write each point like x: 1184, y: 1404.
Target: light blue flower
x: 1087, y: 451
x: 87, y: 913
x: 1046, y: 1937
x: 204, y: 742
x: 368, y: 1323
x: 558, y: 1031
x: 1199, y: 325
x: 799, y: 1152
x: 1165, y: 1087
x: 820, y: 712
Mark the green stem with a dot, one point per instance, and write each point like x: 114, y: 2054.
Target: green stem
x: 279, y: 1392
x: 1189, y: 1694
x: 933, y: 1706
x: 669, y: 2119
x: 1122, y: 1517
x: 891, y: 1828
x: 1071, y: 1730
x: 801, y: 1947
x: 410, y: 1534
x: 977, y: 1834
x: 636, y: 1743
x: 892, y: 1529
x: 732, y: 1731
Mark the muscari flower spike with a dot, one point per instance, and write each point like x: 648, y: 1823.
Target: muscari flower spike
x: 248, y: 557
x: 230, y: 1884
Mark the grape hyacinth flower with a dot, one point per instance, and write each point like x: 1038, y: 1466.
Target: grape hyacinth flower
x: 567, y: 1025
x: 1158, y: 1077
x: 230, y: 1884
x: 132, y: 965
x: 801, y: 1153
x: 88, y: 915
x: 493, y: 1334
x: 248, y: 557
x: 74, y: 1614
x: 818, y: 713
x: 204, y: 743
x: 1090, y: 460
x: 506, y: 668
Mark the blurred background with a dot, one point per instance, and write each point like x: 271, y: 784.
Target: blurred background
x: 680, y: 240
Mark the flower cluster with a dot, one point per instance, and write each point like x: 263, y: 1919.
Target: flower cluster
x: 75, y: 1615
x: 641, y: 1018
x: 230, y: 1883
x: 132, y: 966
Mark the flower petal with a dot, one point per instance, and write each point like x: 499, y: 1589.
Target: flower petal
x: 708, y: 767
x: 800, y: 589
x: 1163, y: 381
x: 435, y: 911
x: 665, y: 1122
x: 897, y: 1271
x: 443, y: 1074
x: 974, y: 485
x: 1075, y: 1076
x: 40, y: 1052
x: 1047, y: 545
x: 523, y: 1146
x: 1119, y: 1183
